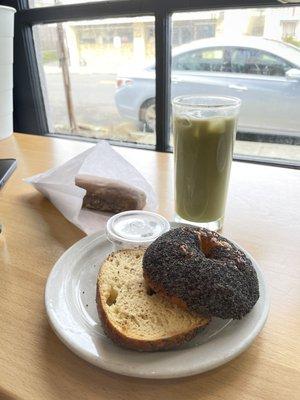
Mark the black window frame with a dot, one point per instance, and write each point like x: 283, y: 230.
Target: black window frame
x: 30, y: 111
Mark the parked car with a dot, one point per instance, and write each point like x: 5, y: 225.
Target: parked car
x: 263, y: 73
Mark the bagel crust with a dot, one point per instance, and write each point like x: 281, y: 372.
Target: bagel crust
x: 201, y: 271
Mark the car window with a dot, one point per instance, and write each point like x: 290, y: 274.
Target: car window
x: 258, y: 62
x: 215, y: 59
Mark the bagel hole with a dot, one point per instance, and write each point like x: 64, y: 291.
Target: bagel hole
x: 112, y: 298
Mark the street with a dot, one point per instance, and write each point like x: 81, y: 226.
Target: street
x: 97, y: 116
x: 93, y: 97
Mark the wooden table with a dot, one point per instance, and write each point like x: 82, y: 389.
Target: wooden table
x: 262, y: 215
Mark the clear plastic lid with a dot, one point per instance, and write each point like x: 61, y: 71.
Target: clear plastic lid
x: 136, y: 228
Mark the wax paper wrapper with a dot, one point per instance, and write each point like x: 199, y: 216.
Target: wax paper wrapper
x: 58, y: 184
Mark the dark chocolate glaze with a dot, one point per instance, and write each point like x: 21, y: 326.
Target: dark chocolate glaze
x: 204, y: 270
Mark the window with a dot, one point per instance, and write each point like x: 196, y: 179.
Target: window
x: 245, y: 57
x: 208, y: 59
x: 95, y: 80
x: 257, y: 62
x: 256, y: 25
x: 289, y: 28
x: 236, y: 60
x: 101, y: 69
x: 201, y: 29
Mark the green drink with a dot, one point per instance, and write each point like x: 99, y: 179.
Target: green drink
x: 203, y: 147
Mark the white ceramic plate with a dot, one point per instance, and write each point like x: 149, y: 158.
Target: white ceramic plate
x: 71, y: 309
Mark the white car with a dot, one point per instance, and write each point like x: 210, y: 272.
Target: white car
x: 263, y: 73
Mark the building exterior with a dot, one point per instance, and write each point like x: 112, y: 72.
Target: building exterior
x: 105, y: 45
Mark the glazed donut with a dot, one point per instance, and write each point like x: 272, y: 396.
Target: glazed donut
x: 201, y: 271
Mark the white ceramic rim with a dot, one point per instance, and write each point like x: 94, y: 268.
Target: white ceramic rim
x: 183, y: 369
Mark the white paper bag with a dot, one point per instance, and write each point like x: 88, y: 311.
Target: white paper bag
x: 58, y: 184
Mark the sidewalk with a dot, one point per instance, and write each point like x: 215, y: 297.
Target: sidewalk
x: 124, y: 132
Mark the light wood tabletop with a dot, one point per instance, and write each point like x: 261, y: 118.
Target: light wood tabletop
x: 262, y: 216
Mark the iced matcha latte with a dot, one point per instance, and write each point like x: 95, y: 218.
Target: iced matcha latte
x: 204, y: 133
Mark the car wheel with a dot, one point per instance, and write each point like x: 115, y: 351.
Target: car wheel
x: 147, y: 115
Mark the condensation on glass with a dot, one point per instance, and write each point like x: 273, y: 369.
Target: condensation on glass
x: 89, y: 71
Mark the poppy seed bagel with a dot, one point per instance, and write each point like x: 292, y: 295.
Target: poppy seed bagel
x: 200, y: 270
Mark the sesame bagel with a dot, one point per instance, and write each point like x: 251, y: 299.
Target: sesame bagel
x: 201, y: 271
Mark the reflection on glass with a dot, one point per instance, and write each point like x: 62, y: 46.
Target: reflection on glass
x: 252, y: 54
x: 100, y: 77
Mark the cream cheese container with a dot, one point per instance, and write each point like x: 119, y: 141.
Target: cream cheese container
x: 135, y: 228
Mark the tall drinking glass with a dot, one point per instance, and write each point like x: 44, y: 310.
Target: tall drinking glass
x: 204, y: 133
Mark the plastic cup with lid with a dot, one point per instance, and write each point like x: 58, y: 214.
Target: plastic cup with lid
x: 135, y: 228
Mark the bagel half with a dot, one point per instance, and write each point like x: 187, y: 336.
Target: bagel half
x: 135, y: 317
